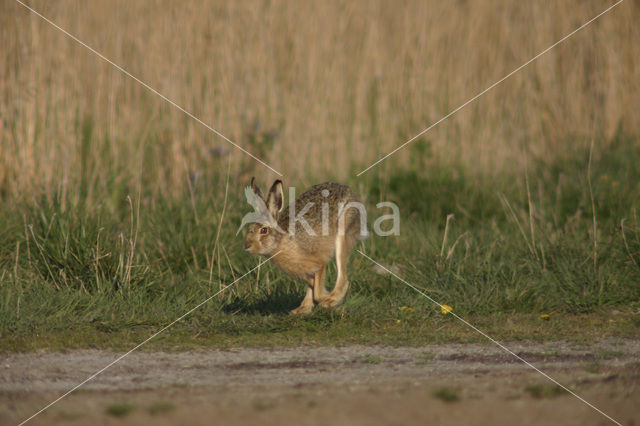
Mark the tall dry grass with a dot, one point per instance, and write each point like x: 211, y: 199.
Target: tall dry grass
x: 339, y: 82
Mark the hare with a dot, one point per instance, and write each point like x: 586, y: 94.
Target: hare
x: 323, y: 220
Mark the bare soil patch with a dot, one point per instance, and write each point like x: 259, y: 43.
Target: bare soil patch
x: 445, y: 384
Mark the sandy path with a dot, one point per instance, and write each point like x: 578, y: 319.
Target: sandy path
x: 350, y: 385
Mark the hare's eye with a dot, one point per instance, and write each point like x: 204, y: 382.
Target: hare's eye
x: 264, y: 230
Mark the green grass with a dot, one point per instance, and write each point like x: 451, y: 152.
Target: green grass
x: 119, y: 409
x: 446, y: 394
x: 424, y: 358
x: 368, y: 359
x: 544, y: 390
x: 77, y: 273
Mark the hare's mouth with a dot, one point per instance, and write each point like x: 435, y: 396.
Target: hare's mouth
x: 249, y: 248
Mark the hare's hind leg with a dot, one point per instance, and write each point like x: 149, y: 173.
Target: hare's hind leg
x: 307, y: 303
x: 344, y: 244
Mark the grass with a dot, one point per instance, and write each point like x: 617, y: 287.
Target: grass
x: 594, y: 367
x: 368, y: 359
x: 424, y: 358
x: 544, y: 390
x: 119, y: 409
x: 446, y: 394
x: 350, y: 78
x: 110, y: 277
x: 118, y: 214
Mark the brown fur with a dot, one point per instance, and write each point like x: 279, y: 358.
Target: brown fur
x: 300, y: 254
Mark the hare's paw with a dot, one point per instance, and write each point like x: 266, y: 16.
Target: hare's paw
x: 329, y: 302
x: 302, y: 310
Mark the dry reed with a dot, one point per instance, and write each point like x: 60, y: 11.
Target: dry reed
x: 339, y: 82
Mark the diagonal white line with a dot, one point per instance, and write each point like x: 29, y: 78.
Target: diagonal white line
x: 145, y: 341
x: 151, y: 89
x: 492, y: 86
x: 496, y: 342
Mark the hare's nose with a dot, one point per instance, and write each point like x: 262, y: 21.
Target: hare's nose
x: 247, y: 246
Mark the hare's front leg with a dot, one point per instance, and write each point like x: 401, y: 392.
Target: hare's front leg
x: 319, y: 292
x: 307, y: 303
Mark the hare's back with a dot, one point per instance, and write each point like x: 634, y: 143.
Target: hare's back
x: 327, y: 192
x: 329, y: 196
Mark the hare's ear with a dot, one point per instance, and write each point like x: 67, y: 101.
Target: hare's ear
x: 255, y: 188
x: 274, y: 199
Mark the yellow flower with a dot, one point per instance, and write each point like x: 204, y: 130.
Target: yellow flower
x: 406, y: 309
x: 545, y: 317
x: 445, y: 309
x: 398, y: 321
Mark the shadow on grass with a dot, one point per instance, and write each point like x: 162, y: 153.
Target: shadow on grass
x: 277, y: 302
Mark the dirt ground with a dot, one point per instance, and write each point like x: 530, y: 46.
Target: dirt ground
x: 356, y: 385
